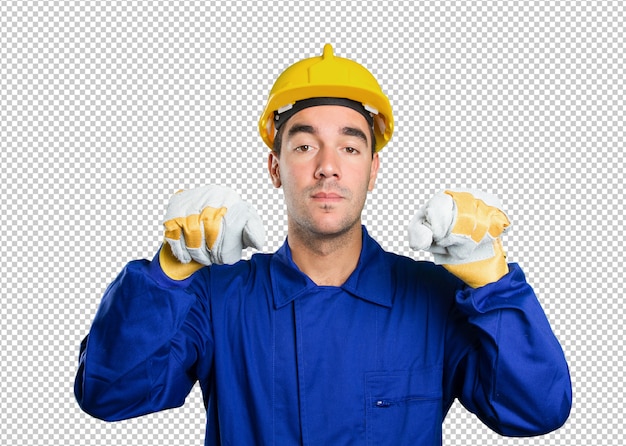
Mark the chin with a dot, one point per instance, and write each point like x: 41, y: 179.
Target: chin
x: 331, y: 229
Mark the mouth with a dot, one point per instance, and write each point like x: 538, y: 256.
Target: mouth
x: 327, y: 197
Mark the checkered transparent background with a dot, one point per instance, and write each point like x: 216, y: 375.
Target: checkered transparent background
x: 107, y: 108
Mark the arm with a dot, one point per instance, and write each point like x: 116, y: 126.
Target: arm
x: 151, y: 338
x: 142, y: 351
x: 515, y: 377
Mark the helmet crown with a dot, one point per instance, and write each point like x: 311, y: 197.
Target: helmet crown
x: 328, y: 76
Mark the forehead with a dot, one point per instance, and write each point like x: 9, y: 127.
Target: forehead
x: 329, y: 117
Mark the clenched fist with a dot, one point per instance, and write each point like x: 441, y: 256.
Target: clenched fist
x: 462, y: 229
x: 207, y: 225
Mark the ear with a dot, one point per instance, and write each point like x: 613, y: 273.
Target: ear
x: 273, y: 165
x: 373, y: 172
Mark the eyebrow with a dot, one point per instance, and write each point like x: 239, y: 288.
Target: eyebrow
x: 301, y: 128
x: 352, y: 131
x: 348, y: 131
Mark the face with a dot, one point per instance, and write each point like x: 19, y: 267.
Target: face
x: 325, y: 168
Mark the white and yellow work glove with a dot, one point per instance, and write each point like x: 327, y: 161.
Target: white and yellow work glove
x: 205, y: 226
x: 462, y: 229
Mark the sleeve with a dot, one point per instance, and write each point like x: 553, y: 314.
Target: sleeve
x: 511, y: 371
x: 148, y: 344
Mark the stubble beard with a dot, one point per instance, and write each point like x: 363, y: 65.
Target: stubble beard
x: 315, y: 233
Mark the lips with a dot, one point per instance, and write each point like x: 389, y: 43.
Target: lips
x: 327, y: 196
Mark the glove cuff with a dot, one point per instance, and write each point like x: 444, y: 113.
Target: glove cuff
x: 172, y: 267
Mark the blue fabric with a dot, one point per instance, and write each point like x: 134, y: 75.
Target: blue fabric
x: 283, y: 361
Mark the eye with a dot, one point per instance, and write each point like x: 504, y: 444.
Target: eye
x: 351, y: 150
x: 305, y: 148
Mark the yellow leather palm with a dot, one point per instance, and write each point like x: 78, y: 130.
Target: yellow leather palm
x: 197, y: 228
x: 193, y: 231
x: 475, y: 219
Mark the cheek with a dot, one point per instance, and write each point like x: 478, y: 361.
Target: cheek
x: 287, y: 180
x: 363, y: 178
x: 291, y: 175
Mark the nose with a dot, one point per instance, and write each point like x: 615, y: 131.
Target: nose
x: 327, y: 164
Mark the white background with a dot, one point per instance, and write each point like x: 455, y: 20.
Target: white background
x: 107, y: 108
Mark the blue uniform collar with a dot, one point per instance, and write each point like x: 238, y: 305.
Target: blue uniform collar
x: 370, y: 281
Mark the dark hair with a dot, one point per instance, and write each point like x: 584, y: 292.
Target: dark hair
x: 278, y: 140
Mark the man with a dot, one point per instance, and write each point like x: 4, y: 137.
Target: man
x: 330, y: 340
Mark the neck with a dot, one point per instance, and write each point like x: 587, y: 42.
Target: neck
x: 328, y: 260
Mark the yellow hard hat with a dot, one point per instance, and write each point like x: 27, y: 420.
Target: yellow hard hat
x: 328, y: 76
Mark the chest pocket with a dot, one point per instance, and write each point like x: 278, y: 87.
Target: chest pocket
x: 404, y: 407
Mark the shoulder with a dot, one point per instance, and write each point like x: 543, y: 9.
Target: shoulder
x: 421, y: 276
x: 408, y: 266
x: 405, y: 272
x: 243, y: 269
x: 240, y: 275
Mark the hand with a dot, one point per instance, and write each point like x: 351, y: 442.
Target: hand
x: 207, y: 225
x: 462, y: 229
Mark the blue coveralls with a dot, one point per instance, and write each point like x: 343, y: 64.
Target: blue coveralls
x: 282, y: 361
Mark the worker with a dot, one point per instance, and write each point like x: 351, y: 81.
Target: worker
x: 330, y: 340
